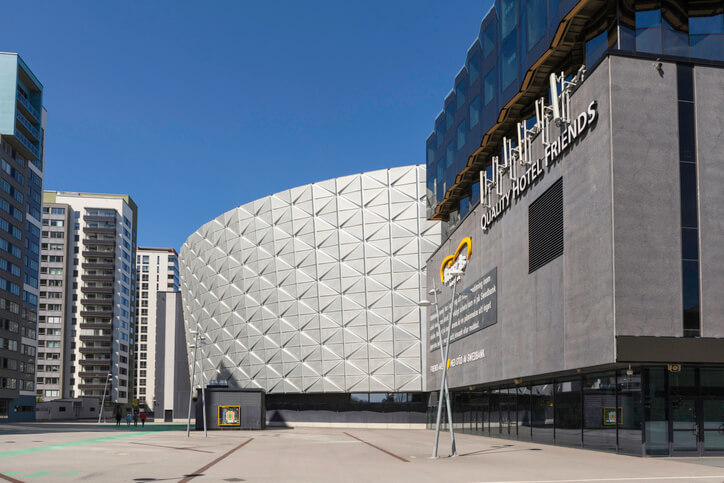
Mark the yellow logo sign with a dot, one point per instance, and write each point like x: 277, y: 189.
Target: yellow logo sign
x: 456, y: 262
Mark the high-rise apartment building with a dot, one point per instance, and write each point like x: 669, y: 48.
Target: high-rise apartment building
x: 22, y: 132
x: 157, y: 271
x: 54, y: 329
x: 88, y: 302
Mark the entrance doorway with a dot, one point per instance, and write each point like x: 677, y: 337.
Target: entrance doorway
x: 697, y: 426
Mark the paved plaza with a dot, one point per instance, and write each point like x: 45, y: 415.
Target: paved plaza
x: 161, y: 452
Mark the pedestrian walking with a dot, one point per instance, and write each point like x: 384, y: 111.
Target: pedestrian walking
x: 118, y: 419
x: 143, y: 419
x: 128, y: 419
x: 135, y: 419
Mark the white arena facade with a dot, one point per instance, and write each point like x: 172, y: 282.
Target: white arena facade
x: 312, y: 293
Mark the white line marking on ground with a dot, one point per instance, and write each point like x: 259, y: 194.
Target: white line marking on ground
x: 641, y: 478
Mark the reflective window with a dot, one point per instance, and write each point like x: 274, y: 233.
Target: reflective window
x: 489, y: 87
x: 450, y: 154
x: 474, y: 112
x: 488, y: 40
x: 689, y: 244
x: 440, y: 133
x: 601, y: 414
x: 462, y: 133
x: 542, y: 413
x: 449, y: 116
x: 690, y: 272
x: 461, y: 89
x: 596, y: 47
x: 656, y: 426
x: 535, y: 12
x: 648, y: 30
x: 631, y: 412
x: 688, y: 195
x: 509, y: 61
x: 508, y: 17
x: 523, y: 406
x: 568, y: 412
x: 473, y: 68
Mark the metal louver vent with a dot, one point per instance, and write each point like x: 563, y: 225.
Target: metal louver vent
x: 545, y: 227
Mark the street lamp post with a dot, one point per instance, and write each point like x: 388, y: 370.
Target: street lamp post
x: 446, y: 395
x: 443, y: 383
x: 203, y: 385
x: 191, y: 389
x: 105, y: 386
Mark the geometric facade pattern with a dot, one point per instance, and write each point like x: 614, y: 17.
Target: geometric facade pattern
x: 315, y: 289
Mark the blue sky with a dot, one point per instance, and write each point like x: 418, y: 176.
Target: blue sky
x: 194, y: 108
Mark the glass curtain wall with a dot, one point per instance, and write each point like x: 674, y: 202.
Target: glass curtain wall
x: 638, y: 411
x: 513, y: 37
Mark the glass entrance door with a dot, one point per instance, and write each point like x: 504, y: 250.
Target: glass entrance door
x: 713, y: 426
x: 684, y: 427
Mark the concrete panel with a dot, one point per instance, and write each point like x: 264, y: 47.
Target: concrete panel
x: 709, y: 95
x: 647, y: 227
x: 588, y: 256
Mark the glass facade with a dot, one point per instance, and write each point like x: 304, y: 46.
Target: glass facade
x: 642, y: 411
x: 514, y: 35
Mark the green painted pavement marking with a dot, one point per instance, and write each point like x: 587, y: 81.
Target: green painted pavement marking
x: 10, y: 473
x: 71, y: 473
x: 39, y: 473
x: 38, y: 449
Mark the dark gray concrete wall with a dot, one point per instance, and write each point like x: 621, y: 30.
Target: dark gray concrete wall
x: 647, y: 220
x: 709, y: 96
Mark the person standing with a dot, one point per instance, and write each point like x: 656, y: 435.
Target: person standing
x: 143, y: 419
x: 128, y: 419
x: 118, y: 418
x: 135, y: 419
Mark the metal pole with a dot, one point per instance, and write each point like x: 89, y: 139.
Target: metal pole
x: 203, y: 390
x: 105, y: 386
x: 444, y: 376
x: 191, y: 389
x: 442, y: 359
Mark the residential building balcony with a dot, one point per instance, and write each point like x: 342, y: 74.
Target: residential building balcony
x: 97, y: 277
x: 30, y: 146
x: 88, y: 374
x: 95, y: 350
x: 88, y: 290
x: 96, y: 313
x: 32, y: 130
x: 85, y: 387
x: 94, y: 362
x: 95, y: 338
x: 28, y: 108
x: 98, y: 266
x: 98, y: 229
x: 98, y: 242
x: 97, y: 301
x: 96, y: 325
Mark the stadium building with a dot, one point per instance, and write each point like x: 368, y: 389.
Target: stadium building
x: 312, y: 295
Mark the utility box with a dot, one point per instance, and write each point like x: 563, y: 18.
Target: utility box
x: 228, y: 408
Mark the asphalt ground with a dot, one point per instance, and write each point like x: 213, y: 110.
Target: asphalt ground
x: 60, y: 452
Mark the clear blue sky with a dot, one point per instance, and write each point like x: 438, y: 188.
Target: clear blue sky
x: 194, y: 108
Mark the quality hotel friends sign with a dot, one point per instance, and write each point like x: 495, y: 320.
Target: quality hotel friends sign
x: 553, y: 151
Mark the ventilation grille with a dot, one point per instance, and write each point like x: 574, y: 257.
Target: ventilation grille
x: 545, y: 227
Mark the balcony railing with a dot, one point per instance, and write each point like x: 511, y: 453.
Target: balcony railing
x: 28, y: 125
x: 26, y: 142
x: 26, y: 104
